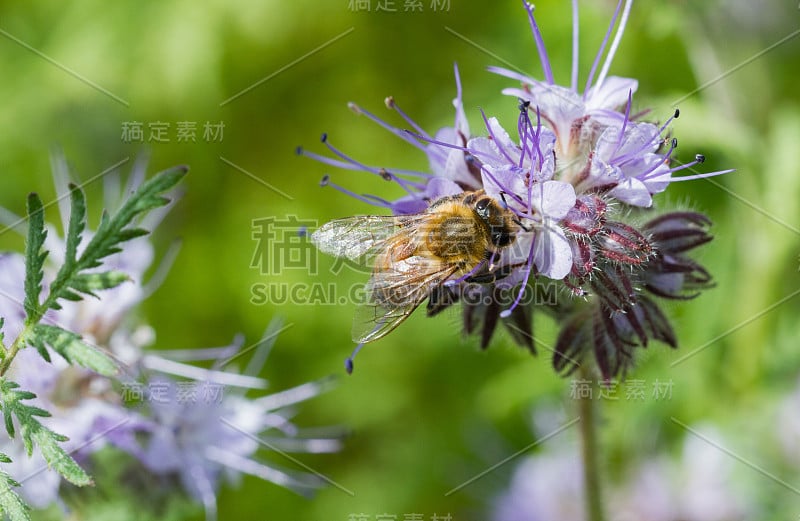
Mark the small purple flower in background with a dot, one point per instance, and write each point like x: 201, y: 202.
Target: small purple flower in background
x: 696, y: 487
x: 544, y: 487
x: 187, y: 422
x: 574, y: 181
x: 700, y: 486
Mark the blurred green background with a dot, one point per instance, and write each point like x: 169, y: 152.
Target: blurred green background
x: 426, y: 410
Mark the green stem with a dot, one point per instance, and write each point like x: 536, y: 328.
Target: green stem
x: 9, y: 355
x: 589, y: 451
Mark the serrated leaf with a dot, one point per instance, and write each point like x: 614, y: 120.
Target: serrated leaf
x: 72, y: 348
x: 68, y: 295
x: 58, y: 459
x: 132, y: 233
x: 9, y: 421
x: 112, y: 230
x: 77, y: 223
x: 10, y: 502
x: 90, y: 282
x: 110, y: 233
x: 33, y: 432
x: 34, y: 258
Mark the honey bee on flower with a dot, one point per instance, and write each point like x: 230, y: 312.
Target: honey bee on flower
x: 560, y: 193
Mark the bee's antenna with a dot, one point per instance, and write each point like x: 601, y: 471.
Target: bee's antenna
x: 519, y: 223
x: 503, y: 199
x: 515, y: 219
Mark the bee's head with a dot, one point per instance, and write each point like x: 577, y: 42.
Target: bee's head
x: 494, y: 215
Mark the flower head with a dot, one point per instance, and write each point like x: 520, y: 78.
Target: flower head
x: 570, y: 178
x: 176, y: 419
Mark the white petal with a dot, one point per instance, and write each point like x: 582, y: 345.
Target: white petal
x: 441, y: 187
x: 552, y: 253
x: 634, y: 192
x: 484, y: 149
x: 612, y: 94
x: 502, y: 139
x: 553, y: 198
x: 456, y: 169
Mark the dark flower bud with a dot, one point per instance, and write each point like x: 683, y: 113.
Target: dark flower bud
x: 619, y: 242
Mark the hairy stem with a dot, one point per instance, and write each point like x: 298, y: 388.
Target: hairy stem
x: 12, y: 351
x: 589, y: 452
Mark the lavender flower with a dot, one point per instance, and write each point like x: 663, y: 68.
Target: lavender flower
x: 574, y: 180
x: 191, y: 423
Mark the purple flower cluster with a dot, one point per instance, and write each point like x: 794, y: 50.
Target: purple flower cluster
x: 177, y: 419
x: 577, y: 174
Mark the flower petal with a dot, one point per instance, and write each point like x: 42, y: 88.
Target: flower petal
x: 552, y: 252
x: 612, y: 93
x: 554, y: 199
x: 633, y: 192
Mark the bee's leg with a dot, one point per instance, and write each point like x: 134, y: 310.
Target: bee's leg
x: 494, y: 275
x: 440, y: 298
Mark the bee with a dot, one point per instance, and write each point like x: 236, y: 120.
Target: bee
x: 457, y: 237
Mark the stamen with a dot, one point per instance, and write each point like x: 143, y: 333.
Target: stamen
x: 523, y: 122
x: 575, y: 30
x: 702, y: 176
x: 458, y: 103
x: 624, y: 122
x: 392, y: 105
x: 437, y: 142
x: 664, y: 161
x: 600, y: 51
x: 375, y: 201
x: 494, y: 138
x: 669, y: 120
x: 470, y: 273
x: 391, y: 128
x: 615, y: 44
x: 527, y: 268
x: 348, y: 363
x: 300, y: 151
x: 537, y: 36
x: 637, y: 153
x: 382, y: 172
x: 504, y: 189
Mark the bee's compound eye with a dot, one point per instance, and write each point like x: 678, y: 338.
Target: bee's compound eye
x: 482, y: 207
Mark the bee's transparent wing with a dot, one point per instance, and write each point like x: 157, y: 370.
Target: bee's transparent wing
x: 393, y: 293
x: 354, y: 237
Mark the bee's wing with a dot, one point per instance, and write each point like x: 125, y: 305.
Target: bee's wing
x: 353, y: 237
x: 394, y: 292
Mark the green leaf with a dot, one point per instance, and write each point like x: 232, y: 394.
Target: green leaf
x: 34, y: 258
x: 57, y: 458
x: 77, y: 223
x: 33, y: 432
x: 10, y: 502
x: 72, y: 348
x: 111, y: 232
x: 9, y: 421
x: 88, y: 283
